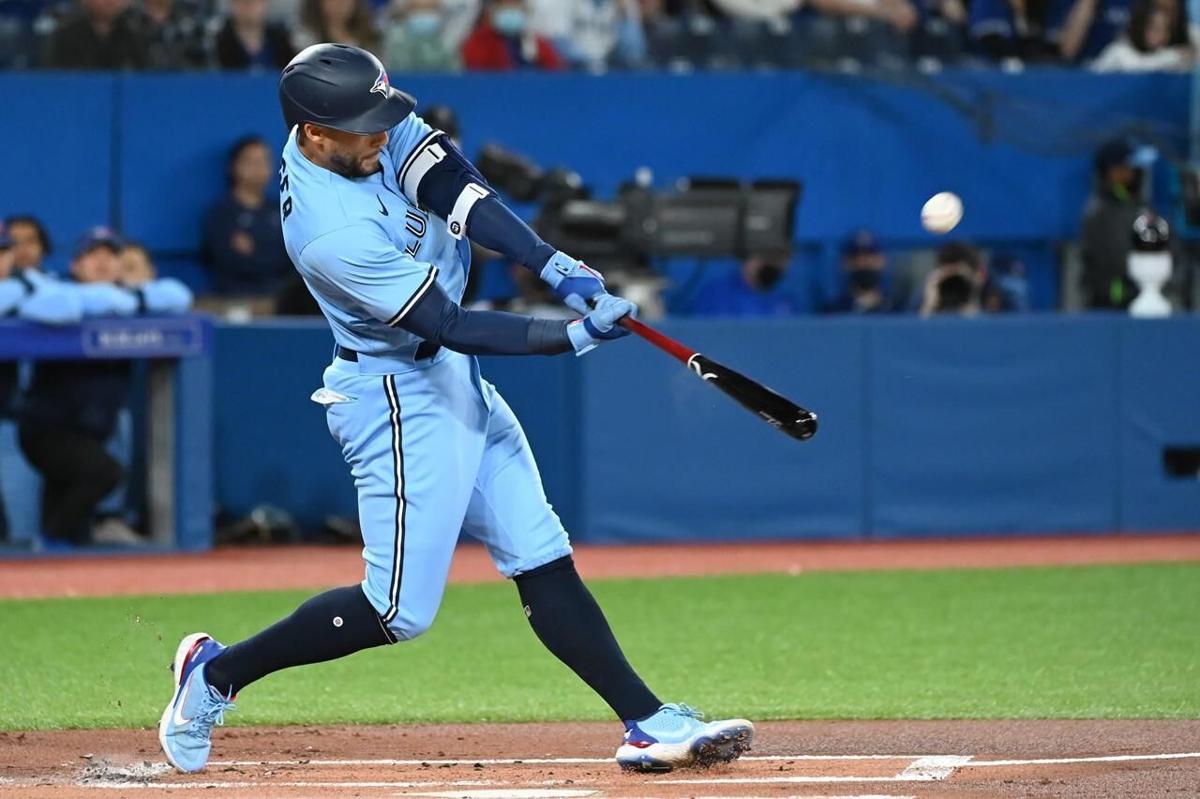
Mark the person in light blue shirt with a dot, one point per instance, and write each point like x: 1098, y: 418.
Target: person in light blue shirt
x: 378, y: 212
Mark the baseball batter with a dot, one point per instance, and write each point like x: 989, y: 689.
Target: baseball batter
x: 378, y: 212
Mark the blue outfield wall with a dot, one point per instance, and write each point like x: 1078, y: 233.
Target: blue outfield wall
x: 147, y: 152
x: 938, y: 428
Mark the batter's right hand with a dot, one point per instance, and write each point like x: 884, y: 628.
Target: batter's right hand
x: 601, y: 323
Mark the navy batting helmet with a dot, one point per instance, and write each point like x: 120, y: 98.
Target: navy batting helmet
x: 341, y: 87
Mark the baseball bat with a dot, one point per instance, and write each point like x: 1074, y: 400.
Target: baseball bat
x: 777, y: 410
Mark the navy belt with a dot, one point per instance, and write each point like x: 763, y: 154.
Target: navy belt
x: 425, y: 351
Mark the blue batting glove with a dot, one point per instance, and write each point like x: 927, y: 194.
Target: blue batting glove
x: 574, y: 281
x: 600, y: 324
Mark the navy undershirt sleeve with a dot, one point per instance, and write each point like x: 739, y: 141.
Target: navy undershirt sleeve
x: 490, y: 223
x: 439, y: 319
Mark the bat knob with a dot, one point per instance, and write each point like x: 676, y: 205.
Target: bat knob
x: 805, y: 427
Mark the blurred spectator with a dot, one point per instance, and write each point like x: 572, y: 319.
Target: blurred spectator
x: 592, y: 34
x: 100, y: 34
x: 1151, y: 42
x: 30, y: 241
x: 864, y: 287
x: 248, y: 41
x: 460, y: 17
x: 68, y: 414
x: 956, y: 285
x: 1089, y: 26
x: 20, y: 47
x: 1007, y: 288
x: 175, y: 34
x: 341, y: 21
x: 414, y: 41
x: 1115, y: 202
x: 751, y: 290
x: 941, y: 31
x: 502, y: 41
x: 243, y: 240
x: 136, y: 266
x: 1014, y: 29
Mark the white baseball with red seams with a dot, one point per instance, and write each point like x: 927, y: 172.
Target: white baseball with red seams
x: 942, y: 212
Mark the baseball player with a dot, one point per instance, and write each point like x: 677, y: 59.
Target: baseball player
x: 378, y: 213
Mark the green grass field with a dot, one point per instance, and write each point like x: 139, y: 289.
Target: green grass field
x: 1106, y: 642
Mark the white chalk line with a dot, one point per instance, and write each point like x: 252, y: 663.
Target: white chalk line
x: 910, y: 774
x: 518, y: 761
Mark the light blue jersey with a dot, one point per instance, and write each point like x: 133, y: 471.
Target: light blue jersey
x: 364, y: 248
x: 433, y: 448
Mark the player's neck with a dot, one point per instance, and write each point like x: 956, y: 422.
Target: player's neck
x: 309, y: 152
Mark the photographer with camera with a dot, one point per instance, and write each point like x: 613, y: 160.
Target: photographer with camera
x: 958, y: 284
x: 750, y: 291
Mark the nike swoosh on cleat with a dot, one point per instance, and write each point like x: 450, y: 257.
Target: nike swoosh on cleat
x: 179, y: 719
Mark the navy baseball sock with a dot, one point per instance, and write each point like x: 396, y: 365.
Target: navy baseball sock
x: 568, y: 621
x: 328, y: 626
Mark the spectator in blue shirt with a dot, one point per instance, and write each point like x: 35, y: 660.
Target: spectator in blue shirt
x: 243, y: 239
x: 752, y: 290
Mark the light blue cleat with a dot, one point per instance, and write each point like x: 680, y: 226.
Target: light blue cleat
x: 185, y: 730
x: 677, y: 736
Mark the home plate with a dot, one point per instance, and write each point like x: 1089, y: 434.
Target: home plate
x: 509, y: 793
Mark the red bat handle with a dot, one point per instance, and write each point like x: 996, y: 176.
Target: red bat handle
x: 663, y: 342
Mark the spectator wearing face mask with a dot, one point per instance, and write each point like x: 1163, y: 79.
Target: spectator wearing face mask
x: 1115, y: 202
x: 503, y: 41
x: 751, y: 290
x: 414, y: 40
x: 592, y: 34
x: 863, y: 277
x: 1151, y: 43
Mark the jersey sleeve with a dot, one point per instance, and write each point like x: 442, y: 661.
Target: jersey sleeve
x: 408, y: 138
x: 362, y: 263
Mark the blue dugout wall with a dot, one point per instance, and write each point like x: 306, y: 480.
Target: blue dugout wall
x: 146, y: 152
x: 935, y: 428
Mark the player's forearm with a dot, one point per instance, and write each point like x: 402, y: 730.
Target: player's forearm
x: 439, y: 319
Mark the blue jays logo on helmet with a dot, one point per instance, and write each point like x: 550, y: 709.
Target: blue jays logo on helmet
x: 382, y: 84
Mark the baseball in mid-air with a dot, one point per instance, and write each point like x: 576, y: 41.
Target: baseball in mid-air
x: 942, y: 212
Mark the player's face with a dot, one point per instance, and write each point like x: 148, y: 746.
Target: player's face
x: 136, y: 268
x: 27, y: 245
x: 97, y: 265
x: 352, y: 155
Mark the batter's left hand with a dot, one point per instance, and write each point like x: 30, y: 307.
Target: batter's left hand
x: 574, y: 281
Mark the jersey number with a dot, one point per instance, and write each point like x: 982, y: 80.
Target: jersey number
x: 284, y: 186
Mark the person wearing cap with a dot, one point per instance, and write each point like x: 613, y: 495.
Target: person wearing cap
x: 863, y: 277
x: 1115, y: 202
x: 71, y: 408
